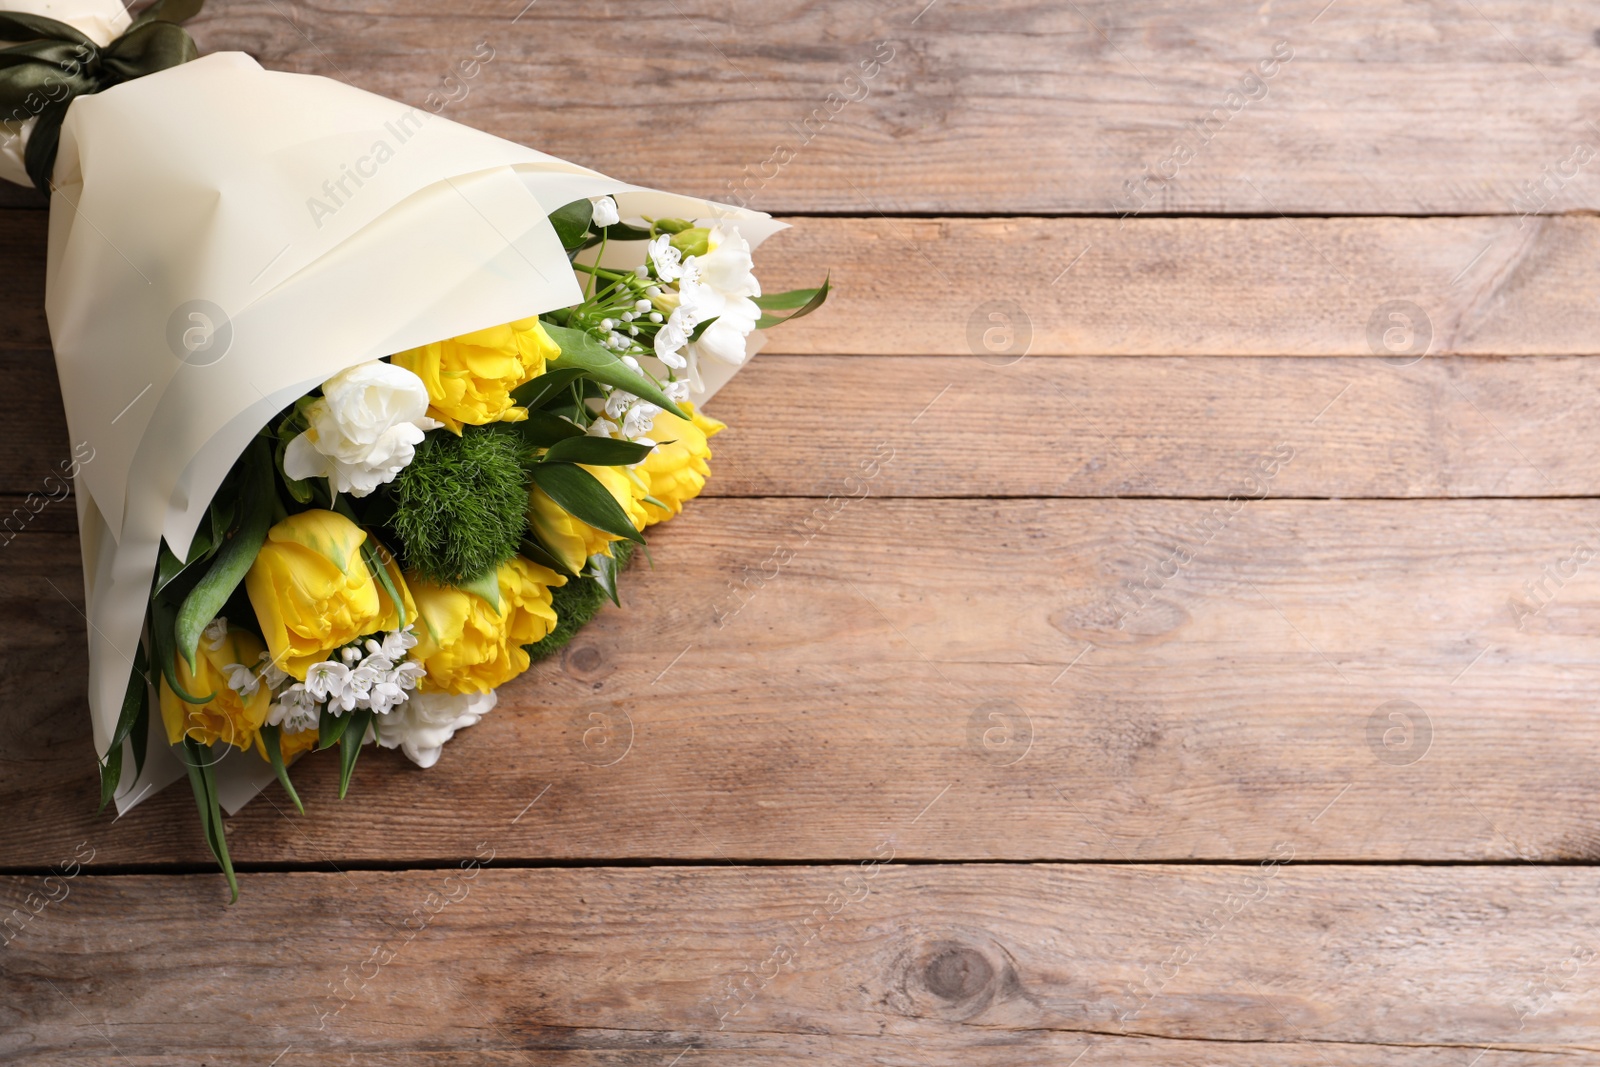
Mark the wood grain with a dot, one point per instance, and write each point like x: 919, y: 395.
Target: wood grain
x: 1021, y: 106
x: 1197, y: 287
x: 1021, y: 966
x: 909, y: 650
x: 1117, y: 426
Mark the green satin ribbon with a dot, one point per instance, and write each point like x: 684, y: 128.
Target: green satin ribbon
x: 55, y: 64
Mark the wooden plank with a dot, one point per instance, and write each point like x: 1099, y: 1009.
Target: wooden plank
x: 1358, y: 659
x: 859, y: 963
x: 1016, y: 106
x: 1115, y: 426
x: 1200, y: 287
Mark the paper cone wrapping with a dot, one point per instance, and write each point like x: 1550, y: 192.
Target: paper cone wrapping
x: 223, y: 239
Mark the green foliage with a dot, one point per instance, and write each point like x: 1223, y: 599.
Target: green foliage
x: 576, y: 603
x: 461, y: 507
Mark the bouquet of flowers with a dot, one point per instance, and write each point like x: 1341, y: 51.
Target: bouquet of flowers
x: 372, y: 408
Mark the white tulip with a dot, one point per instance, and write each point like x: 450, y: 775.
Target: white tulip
x: 421, y: 726
x: 364, y: 429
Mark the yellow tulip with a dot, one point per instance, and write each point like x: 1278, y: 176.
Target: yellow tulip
x: 677, y: 472
x: 465, y: 645
x: 228, y: 716
x: 311, y: 591
x: 470, y: 378
x: 572, y: 540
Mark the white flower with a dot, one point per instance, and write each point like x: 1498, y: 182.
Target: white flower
x: 396, y: 643
x: 668, y: 261
x: 677, y: 390
x: 241, y: 679
x: 726, y: 267
x: 295, y: 710
x: 215, y: 633
x: 386, y: 696
x: 602, y: 428
x: 640, y: 417
x: 327, y: 679
x: 724, y: 340
x: 670, y: 340
x: 407, y: 675
x: 422, y: 725
x: 270, y: 672
x: 364, y: 429
x: 605, y: 211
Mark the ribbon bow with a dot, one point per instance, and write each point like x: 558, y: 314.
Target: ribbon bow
x: 56, y: 64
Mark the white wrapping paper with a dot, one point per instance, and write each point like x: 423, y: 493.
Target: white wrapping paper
x: 225, y: 238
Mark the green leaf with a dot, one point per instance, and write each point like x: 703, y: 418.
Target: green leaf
x: 617, y: 231
x: 603, y: 571
x: 140, y: 735
x: 541, y: 429
x: 585, y: 498
x: 135, y: 707
x: 233, y: 559
x: 161, y: 623
x: 815, y: 299
x: 571, y: 222
x: 534, y: 552
x: 601, y: 451
x: 203, y: 779
x: 350, y: 746
x: 110, y: 775
x: 536, y: 392
x: 330, y: 728
x: 578, y: 349
x: 270, y: 741
x: 485, y: 585
x: 380, y: 574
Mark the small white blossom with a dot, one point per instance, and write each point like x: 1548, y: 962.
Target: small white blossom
x: 241, y: 679
x: 295, y: 710
x: 667, y: 260
x: 407, y: 675
x: 605, y: 211
x: 396, y: 643
x: 215, y: 633
x: 602, y: 428
x: 642, y: 307
x: 269, y: 671
x: 327, y: 679
x: 640, y: 418
x: 677, y: 390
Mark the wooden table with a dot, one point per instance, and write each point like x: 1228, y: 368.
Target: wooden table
x: 1149, y: 617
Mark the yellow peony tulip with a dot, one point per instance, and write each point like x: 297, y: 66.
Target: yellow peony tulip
x: 570, y: 539
x: 467, y: 646
x: 311, y: 591
x: 228, y: 716
x: 470, y: 378
x: 677, y: 472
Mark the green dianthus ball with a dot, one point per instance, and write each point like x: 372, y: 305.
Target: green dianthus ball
x: 461, y: 506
